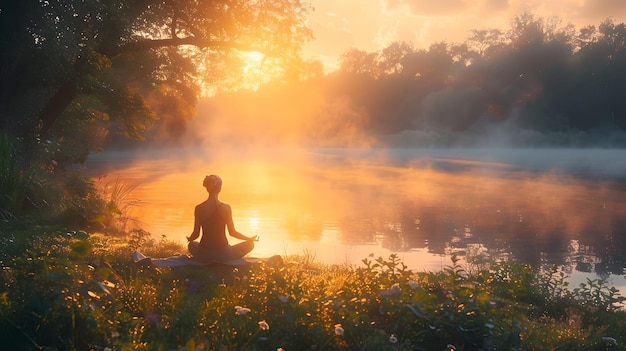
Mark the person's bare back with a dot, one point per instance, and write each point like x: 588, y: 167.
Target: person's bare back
x: 212, y: 217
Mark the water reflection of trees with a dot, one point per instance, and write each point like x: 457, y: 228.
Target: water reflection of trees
x: 590, y: 238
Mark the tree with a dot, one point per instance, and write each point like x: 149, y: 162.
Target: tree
x: 72, y: 72
x: 484, y: 40
x: 70, y: 66
x: 392, y: 57
x: 359, y: 62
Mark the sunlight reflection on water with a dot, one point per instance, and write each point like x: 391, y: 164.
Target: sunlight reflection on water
x: 341, y: 206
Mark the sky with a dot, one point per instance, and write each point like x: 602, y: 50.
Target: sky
x: 369, y: 25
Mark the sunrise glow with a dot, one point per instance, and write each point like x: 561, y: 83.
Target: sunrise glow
x: 372, y: 24
x: 421, y: 173
x: 254, y: 70
x: 253, y: 61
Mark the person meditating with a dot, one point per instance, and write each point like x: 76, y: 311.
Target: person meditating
x: 214, y: 217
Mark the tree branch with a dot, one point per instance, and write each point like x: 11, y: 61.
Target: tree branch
x: 147, y: 44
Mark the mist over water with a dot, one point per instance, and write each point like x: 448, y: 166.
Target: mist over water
x: 541, y: 206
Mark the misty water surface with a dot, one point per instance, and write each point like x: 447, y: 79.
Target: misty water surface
x: 541, y: 206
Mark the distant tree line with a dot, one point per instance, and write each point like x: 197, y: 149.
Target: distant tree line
x: 75, y: 74
x: 538, y: 81
x: 539, y: 75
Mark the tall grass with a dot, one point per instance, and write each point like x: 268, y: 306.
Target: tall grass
x: 117, y: 214
x: 41, y: 188
x: 11, y: 179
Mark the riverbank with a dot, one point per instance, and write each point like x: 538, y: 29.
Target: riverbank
x: 541, y: 207
x: 72, y: 290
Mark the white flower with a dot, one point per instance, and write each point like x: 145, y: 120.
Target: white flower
x: 263, y: 325
x: 413, y: 284
x: 241, y: 311
x: 609, y: 340
x: 339, y: 329
x: 393, y: 291
x: 283, y: 298
x: 393, y: 339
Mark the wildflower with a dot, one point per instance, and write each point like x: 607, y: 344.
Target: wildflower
x: 339, y: 330
x: 152, y: 318
x: 241, y: 311
x: 451, y: 347
x: 283, y: 298
x: 395, y: 289
x: 413, y: 284
x: 115, y: 335
x: 609, y: 341
x: 108, y: 349
x: 194, y: 287
x: 263, y: 325
x: 393, y: 339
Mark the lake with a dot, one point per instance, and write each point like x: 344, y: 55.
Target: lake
x: 339, y: 206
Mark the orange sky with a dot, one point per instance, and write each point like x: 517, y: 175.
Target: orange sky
x: 372, y: 24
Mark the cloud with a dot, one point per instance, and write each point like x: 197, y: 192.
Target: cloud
x: 430, y: 8
x: 341, y: 25
x: 601, y: 9
x: 387, y: 35
x: 371, y: 24
x: 493, y: 6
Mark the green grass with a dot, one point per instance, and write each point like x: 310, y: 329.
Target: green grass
x: 76, y: 291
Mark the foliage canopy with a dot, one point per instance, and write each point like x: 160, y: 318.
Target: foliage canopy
x: 74, y: 73
x: 70, y: 65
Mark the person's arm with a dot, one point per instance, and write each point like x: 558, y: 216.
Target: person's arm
x: 196, y: 226
x: 228, y: 213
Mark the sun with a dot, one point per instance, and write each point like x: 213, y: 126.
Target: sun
x: 253, y: 61
x: 249, y: 70
x: 254, y: 69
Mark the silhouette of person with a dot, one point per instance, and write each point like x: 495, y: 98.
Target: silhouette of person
x: 214, y: 217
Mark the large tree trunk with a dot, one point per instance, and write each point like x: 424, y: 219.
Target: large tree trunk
x: 45, y: 120
x: 56, y: 105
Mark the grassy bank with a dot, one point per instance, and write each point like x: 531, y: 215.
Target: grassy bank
x: 75, y: 291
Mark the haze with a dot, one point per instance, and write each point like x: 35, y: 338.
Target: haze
x: 373, y: 24
x: 512, y: 140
